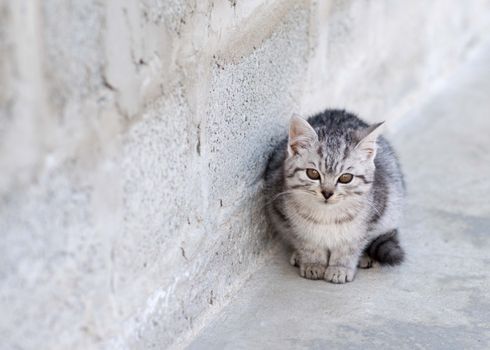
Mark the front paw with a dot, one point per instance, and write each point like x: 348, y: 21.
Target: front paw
x: 339, y: 274
x: 312, y: 271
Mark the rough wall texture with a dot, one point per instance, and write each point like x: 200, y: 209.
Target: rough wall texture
x: 133, y: 135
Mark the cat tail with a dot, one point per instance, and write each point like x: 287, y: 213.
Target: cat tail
x: 386, y: 249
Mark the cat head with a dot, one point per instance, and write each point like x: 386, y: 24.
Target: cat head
x: 330, y: 166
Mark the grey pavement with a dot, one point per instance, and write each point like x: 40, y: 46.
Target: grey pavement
x: 439, y: 298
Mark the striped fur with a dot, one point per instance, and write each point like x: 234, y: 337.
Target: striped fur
x: 386, y: 249
x: 332, y: 234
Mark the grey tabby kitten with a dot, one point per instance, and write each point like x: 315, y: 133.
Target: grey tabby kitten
x: 334, y: 192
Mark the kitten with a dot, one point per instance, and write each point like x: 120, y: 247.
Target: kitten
x: 334, y: 192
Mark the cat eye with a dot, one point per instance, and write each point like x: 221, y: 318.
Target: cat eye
x: 345, y: 178
x: 313, y: 174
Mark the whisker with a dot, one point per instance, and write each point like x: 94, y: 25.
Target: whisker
x: 369, y: 204
x: 288, y: 192
x: 277, y: 196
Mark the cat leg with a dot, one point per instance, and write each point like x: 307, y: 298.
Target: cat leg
x: 343, y: 261
x: 365, y: 262
x: 312, y: 262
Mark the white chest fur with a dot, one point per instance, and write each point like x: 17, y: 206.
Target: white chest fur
x: 326, y: 227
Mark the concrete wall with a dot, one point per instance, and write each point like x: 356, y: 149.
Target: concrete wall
x: 133, y: 135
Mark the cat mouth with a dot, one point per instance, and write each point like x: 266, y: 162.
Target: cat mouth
x: 330, y: 201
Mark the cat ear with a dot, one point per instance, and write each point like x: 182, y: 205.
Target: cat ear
x: 301, y: 135
x: 367, y: 140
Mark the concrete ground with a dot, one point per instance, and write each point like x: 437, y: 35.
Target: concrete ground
x: 438, y: 299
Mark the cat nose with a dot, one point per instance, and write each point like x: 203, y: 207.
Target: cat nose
x: 327, y: 194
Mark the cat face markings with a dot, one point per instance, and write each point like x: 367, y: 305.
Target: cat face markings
x: 327, y: 164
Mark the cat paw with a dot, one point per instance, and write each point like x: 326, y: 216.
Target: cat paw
x: 365, y: 262
x: 339, y: 274
x: 294, y: 259
x: 312, y: 271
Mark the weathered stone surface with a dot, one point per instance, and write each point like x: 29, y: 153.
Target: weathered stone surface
x: 133, y: 135
x: 437, y: 299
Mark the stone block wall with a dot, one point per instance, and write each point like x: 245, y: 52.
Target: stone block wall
x: 133, y: 136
